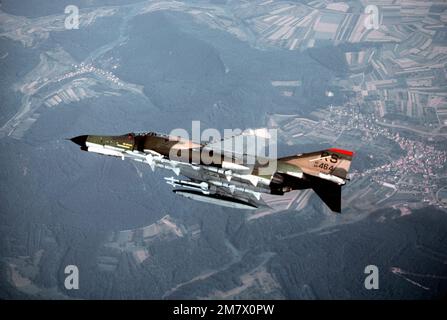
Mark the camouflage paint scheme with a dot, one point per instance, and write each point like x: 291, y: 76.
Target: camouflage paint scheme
x: 229, y: 177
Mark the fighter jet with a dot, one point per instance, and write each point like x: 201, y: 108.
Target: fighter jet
x: 211, y: 175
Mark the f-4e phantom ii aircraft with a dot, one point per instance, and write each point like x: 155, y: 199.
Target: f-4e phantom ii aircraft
x: 228, y: 179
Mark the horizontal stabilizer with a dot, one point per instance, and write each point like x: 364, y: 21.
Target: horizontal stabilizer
x: 329, y: 192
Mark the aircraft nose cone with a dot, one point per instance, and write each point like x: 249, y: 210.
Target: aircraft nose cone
x: 80, y: 141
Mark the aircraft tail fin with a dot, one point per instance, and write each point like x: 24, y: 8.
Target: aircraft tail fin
x: 326, y: 171
x: 331, y: 164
